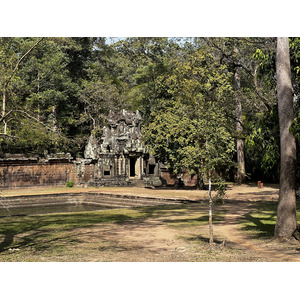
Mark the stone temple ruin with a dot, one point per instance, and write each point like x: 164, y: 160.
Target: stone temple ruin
x: 118, y: 158
x: 121, y: 157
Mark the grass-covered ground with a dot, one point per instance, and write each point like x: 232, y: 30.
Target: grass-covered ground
x: 261, y: 219
x: 243, y: 231
x: 62, y: 236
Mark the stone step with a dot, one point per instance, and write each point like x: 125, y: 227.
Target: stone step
x: 131, y: 199
x: 108, y: 204
x: 102, y: 199
x: 126, y: 202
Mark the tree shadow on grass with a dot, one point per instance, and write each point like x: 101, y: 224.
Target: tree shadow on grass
x: 261, y: 221
x: 41, y: 232
x: 260, y: 227
x: 44, y: 230
x: 198, y: 221
x: 180, y: 215
x: 201, y: 239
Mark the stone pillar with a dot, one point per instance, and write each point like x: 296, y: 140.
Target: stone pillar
x: 138, y: 168
x: 141, y: 167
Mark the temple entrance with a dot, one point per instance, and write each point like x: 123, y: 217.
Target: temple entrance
x: 132, y: 166
x: 151, y: 169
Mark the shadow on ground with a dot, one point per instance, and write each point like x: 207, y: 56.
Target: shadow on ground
x: 260, y: 220
x: 41, y: 232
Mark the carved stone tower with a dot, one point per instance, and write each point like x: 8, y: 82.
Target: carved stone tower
x: 122, y: 157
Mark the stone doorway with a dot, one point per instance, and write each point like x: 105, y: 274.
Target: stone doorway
x: 132, y: 166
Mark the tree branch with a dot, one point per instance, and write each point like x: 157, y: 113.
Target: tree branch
x: 8, y: 135
x: 236, y: 62
x: 35, y: 119
x: 265, y: 101
x: 20, y: 60
x: 6, y: 115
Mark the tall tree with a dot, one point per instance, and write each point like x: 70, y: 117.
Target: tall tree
x: 43, y: 84
x: 9, y: 74
x: 188, y: 127
x: 240, y: 176
x: 251, y: 94
x: 286, y: 223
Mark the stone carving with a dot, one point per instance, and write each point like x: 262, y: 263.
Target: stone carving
x: 122, y: 157
x: 123, y: 134
x: 118, y: 158
x: 92, y: 148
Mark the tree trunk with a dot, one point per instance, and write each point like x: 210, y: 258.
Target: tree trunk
x: 240, y: 176
x: 286, y: 223
x: 54, y: 121
x: 4, y: 110
x: 211, y: 235
x: 200, y: 183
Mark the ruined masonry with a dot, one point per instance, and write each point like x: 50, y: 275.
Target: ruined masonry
x: 121, y: 158
x: 118, y: 158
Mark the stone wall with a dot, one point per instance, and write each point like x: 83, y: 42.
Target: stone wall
x: 88, y: 198
x: 168, y: 177
x: 26, y: 172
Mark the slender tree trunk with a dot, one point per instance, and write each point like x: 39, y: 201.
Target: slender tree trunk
x: 54, y: 121
x: 211, y: 234
x: 38, y: 92
x: 286, y: 223
x: 240, y: 177
x: 4, y: 110
x: 200, y: 182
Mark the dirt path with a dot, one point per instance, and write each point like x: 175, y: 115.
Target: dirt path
x: 230, y: 230
x: 155, y: 240
x: 164, y: 238
x: 147, y: 242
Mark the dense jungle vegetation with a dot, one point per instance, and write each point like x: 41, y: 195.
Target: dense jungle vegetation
x: 206, y: 102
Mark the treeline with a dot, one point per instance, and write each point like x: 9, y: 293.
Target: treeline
x: 207, y: 103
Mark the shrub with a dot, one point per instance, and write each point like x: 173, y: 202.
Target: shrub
x: 70, y: 183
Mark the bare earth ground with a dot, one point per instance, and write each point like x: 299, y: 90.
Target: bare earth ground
x: 162, y: 238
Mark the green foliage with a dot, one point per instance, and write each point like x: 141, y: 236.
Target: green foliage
x: 98, y: 98
x: 70, y: 183
x: 64, y: 89
x: 266, y: 67
x: 220, y: 189
x: 188, y: 127
x: 262, y: 147
x: 295, y: 59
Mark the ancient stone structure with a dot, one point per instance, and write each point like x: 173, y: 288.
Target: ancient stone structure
x: 118, y: 158
x: 122, y: 157
x: 22, y: 171
x: 88, y: 198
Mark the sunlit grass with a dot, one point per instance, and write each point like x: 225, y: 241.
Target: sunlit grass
x: 262, y: 220
x: 59, y: 235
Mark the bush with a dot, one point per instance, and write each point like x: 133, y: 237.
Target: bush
x: 70, y: 184
x: 220, y: 190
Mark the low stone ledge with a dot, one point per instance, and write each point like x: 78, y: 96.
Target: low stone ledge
x: 102, y: 199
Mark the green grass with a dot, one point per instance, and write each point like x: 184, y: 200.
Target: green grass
x: 26, y: 238
x: 198, y: 220
x: 53, y: 230
x: 260, y: 222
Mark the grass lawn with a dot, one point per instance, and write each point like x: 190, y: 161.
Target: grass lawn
x: 260, y: 221
x: 161, y: 233
x: 60, y: 236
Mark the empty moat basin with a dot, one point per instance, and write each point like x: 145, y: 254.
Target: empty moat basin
x: 49, y: 209
x: 74, y: 202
